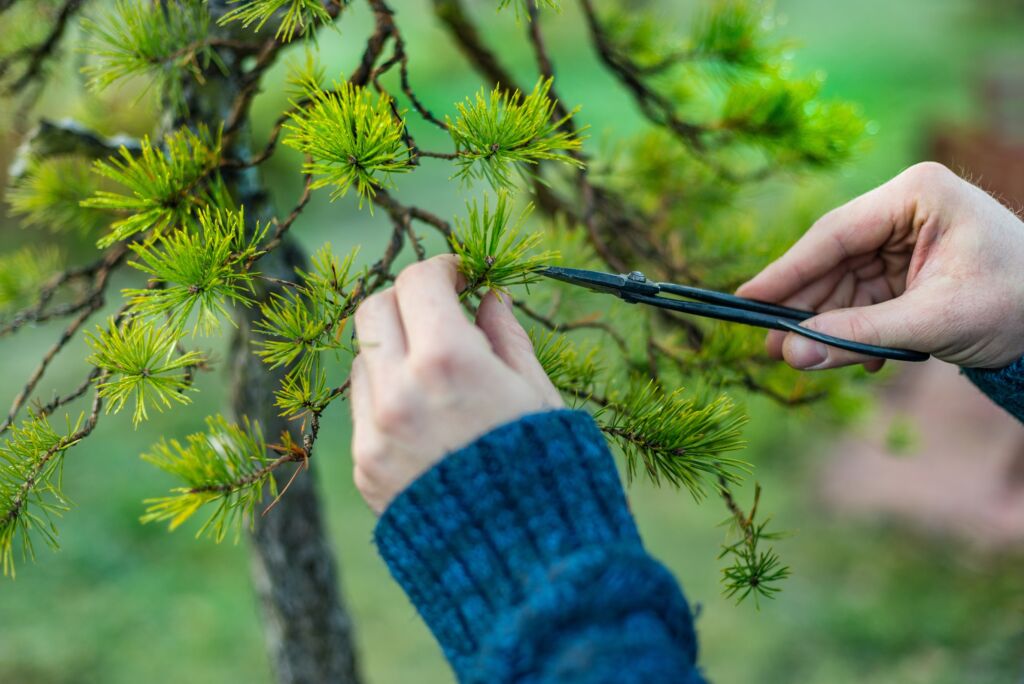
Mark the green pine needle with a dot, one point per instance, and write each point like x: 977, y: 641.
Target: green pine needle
x: 310, y: 318
x: 734, y: 32
x: 522, y: 6
x: 493, y: 251
x: 675, y: 438
x: 302, y: 394
x: 572, y: 371
x: 31, y: 465
x: 23, y: 272
x: 785, y: 116
x: 51, y: 192
x: 227, y: 465
x: 163, y: 187
x: 197, y: 272
x: 140, y: 361
x: 140, y: 38
x: 754, y: 571
x: 351, y: 135
x: 493, y: 135
x: 297, y: 16
x: 296, y: 332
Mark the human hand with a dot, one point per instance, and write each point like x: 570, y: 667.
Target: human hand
x: 926, y: 261
x: 427, y: 381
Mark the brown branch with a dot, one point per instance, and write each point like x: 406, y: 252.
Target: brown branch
x: 568, y: 326
x: 98, y: 270
x: 453, y: 15
x: 37, y: 55
x: 20, y: 499
x: 656, y: 107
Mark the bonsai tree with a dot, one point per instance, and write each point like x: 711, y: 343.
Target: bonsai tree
x: 184, y: 215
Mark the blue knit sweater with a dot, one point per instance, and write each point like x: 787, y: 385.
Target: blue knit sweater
x: 521, y: 555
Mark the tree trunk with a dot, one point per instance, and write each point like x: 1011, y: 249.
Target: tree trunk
x: 308, y: 631
x: 307, y: 627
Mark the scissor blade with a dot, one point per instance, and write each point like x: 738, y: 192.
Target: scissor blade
x: 593, y: 280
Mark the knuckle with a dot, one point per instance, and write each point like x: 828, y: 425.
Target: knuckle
x: 372, y: 304
x: 440, y: 364
x: 393, y: 411
x: 929, y: 174
x: 410, y: 273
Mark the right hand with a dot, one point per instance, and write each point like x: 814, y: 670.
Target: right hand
x: 926, y: 261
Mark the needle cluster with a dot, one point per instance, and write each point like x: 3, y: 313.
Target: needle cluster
x: 162, y: 186
x: 31, y: 465
x: 506, y: 131
x: 494, y: 252
x: 197, y: 272
x: 296, y: 16
x: 351, y: 138
x: 141, y: 362
x: 143, y: 39
x: 226, y: 466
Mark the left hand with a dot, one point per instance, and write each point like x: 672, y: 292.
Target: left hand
x: 427, y: 381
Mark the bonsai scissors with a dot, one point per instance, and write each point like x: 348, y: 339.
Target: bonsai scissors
x: 636, y: 288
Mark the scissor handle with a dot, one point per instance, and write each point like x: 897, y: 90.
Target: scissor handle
x: 754, y: 313
x: 713, y: 297
x: 894, y: 353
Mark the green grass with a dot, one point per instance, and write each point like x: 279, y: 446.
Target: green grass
x: 867, y: 601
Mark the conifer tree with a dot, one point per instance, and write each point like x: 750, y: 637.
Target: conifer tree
x: 185, y: 210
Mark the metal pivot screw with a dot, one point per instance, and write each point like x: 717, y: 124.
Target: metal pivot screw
x: 636, y: 277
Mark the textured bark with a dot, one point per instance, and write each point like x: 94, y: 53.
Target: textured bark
x: 308, y: 630
x: 306, y: 625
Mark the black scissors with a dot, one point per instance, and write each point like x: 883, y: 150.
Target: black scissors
x: 636, y: 288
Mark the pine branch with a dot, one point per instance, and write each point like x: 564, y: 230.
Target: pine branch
x: 139, y: 362
x: 310, y: 318
x: 197, y: 272
x: 674, y: 438
x: 495, y: 134
x: 142, y: 39
x: 493, y: 252
x: 754, y: 571
x: 227, y: 466
x: 162, y: 187
x: 350, y: 135
x: 296, y: 16
x: 31, y: 461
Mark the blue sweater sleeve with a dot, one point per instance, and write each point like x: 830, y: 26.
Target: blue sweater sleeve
x: 1005, y: 386
x: 521, y: 555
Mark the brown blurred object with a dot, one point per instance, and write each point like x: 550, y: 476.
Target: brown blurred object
x: 966, y: 475
x: 991, y: 154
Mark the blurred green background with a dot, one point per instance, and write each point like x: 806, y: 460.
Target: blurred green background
x: 868, y: 601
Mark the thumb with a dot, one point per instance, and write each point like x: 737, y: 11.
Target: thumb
x: 888, y: 324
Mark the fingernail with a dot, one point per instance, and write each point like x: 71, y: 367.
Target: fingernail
x: 806, y: 354
x: 505, y: 298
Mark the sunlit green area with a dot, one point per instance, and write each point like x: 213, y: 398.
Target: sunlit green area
x: 868, y: 601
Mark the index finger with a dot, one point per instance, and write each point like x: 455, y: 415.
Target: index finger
x: 428, y: 301
x: 859, y: 227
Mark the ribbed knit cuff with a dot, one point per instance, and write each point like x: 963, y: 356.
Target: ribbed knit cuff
x: 1005, y: 386
x: 468, y: 538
